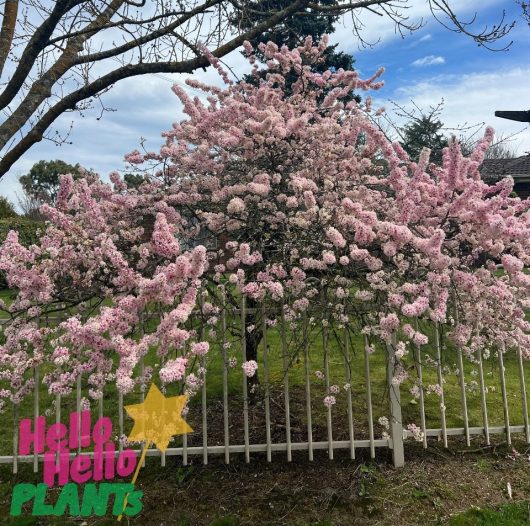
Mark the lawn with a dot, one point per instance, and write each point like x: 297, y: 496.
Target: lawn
x: 296, y: 379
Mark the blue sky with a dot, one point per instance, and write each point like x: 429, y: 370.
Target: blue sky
x: 431, y: 64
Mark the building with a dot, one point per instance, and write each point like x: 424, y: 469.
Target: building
x: 492, y: 170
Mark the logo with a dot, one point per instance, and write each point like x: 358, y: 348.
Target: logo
x: 87, y: 479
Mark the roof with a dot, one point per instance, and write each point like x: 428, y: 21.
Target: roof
x: 494, y: 169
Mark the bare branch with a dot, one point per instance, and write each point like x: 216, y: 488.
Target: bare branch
x: 484, y: 38
x: 8, y: 30
x: 64, y: 52
x: 41, y: 89
x: 69, y: 102
x: 35, y: 45
x: 150, y: 37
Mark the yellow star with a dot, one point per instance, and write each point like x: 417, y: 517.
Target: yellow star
x: 158, y: 418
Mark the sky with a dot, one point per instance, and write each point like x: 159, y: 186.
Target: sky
x: 428, y: 66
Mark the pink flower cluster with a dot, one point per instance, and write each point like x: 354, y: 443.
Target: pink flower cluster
x: 249, y: 368
x: 101, y: 244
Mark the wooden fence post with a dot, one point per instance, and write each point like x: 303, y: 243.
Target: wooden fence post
x: 396, y: 420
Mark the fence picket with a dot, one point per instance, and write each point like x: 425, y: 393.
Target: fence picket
x: 36, y: 414
x: 326, y: 373
x: 266, y: 380
x: 15, y: 438
x: 58, y: 416
x: 120, y: 421
x: 225, y: 383
x: 419, y: 372
x: 523, y: 394
x: 348, y: 377
x: 308, y: 388
x: 396, y: 422
x: 142, y: 367
x: 204, y: 407
x: 483, y: 403
x: 245, y: 385
x: 439, y: 374
x: 462, y: 381
x: 285, y: 363
x: 369, y: 396
x: 504, y: 397
x: 78, y: 408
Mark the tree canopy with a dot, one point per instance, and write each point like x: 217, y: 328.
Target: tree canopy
x: 311, y: 227
x: 7, y: 209
x: 42, y: 181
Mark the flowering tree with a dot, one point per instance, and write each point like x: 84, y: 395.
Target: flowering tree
x: 319, y: 212
x: 320, y: 219
x: 102, y: 267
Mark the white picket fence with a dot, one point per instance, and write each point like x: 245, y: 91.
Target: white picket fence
x: 235, y: 436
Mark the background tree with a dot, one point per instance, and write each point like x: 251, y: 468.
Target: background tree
x: 424, y: 132
x: 52, y: 59
x: 134, y: 180
x: 42, y: 182
x: 292, y: 32
x: 501, y: 149
x: 425, y: 128
x: 6, y: 208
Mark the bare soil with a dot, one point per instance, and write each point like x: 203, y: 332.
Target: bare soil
x: 433, y: 485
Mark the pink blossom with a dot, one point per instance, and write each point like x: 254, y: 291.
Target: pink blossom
x: 329, y: 401
x: 249, y: 368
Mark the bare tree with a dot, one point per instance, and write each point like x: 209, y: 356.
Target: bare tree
x: 29, y: 206
x: 502, y: 149
x: 62, y: 56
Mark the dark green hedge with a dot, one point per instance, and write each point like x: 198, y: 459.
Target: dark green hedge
x: 27, y: 234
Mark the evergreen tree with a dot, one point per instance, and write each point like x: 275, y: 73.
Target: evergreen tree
x: 6, y: 208
x: 292, y: 33
x: 424, y: 132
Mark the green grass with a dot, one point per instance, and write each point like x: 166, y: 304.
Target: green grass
x: 509, y: 515
x: 6, y: 296
x: 296, y: 376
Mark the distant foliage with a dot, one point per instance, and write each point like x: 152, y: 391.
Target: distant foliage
x: 6, y: 208
x: 42, y: 181
x: 424, y: 132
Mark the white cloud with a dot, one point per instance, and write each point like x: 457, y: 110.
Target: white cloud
x: 425, y: 38
x: 429, y: 60
x: 473, y: 99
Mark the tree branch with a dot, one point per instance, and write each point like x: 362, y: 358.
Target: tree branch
x: 347, y: 7
x: 136, y: 43
x: 8, y: 30
x: 70, y: 101
x: 118, y: 23
x: 36, y: 44
x: 41, y: 88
